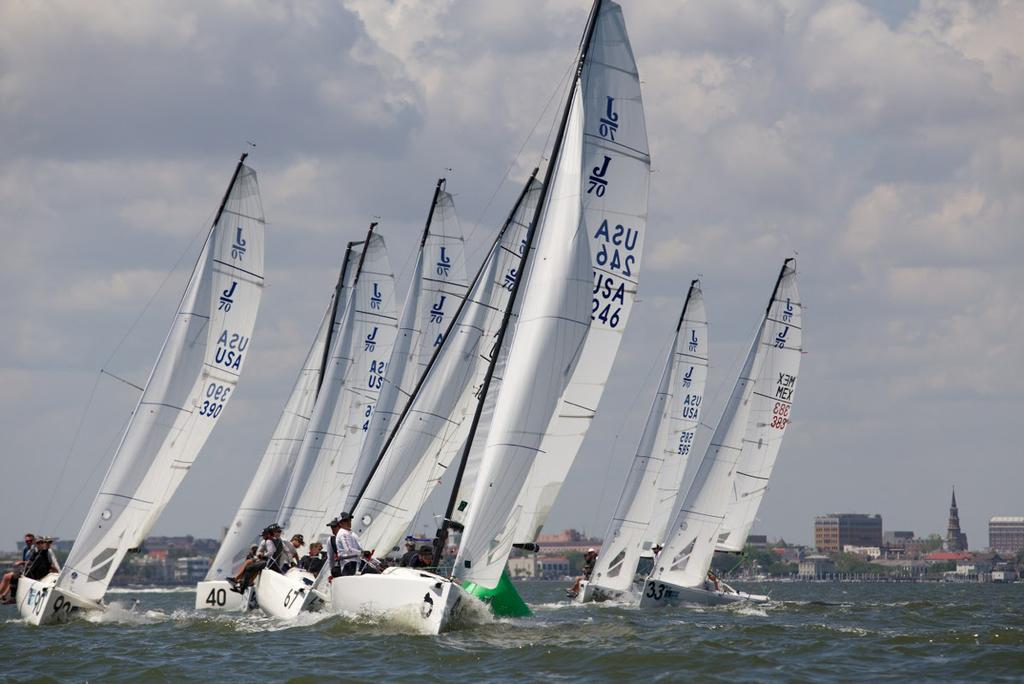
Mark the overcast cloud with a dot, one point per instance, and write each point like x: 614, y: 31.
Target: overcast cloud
x: 882, y: 141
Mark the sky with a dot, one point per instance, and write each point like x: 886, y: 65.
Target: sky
x: 882, y: 143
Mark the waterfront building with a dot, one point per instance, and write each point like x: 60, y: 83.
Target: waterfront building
x: 1006, y: 534
x: 757, y: 541
x: 897, y: 537
x: 191, y: 569
x: 816, y: 567
x: 835, y: 531
x: 955, y: 539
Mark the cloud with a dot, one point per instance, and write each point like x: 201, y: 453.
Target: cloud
x: 881, y: 142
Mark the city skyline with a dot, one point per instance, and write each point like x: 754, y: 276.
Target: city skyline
x: 881, y: 141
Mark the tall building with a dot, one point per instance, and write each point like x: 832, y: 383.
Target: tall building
x: 1006, y: 533
x: 834, y: 531
x: 955, y: 539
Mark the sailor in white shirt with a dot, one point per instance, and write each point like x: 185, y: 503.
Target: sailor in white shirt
x: 349, y: 550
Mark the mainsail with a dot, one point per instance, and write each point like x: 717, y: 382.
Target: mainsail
x: 435, y: 294
x: 769, y: 414
x: 352, y: 381
x: 192, y: 380
x: 615, y: 179
x: 433, y: 428
x: 263, y: 499
x: 653, y: 486
x: 687, y: 555
x: 589, y: 226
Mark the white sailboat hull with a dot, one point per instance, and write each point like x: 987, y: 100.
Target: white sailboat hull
x: 285, y: 596
x: 658, y: 594
x: 41, y: 602
x: 593, y: 593
x: 429, y: 602
x: 218, y: 595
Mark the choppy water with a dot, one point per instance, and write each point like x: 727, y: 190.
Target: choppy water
x: 810, y: 632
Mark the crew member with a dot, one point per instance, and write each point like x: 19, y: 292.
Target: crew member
x: 656, y: 551
x: 9, y: 583
x: 589, y: 559
x: 292, y: 552
x: 332, y: 548
x: 347, y: 543
x: 424, y: 558
x: 313, y: 562
x: 269, y: 554
x: 410, y: 552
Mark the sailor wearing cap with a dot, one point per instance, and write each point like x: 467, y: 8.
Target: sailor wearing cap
x: 347, y: 545
x: 410, y: 552
x: 269, y: 554
x: 332, y: 548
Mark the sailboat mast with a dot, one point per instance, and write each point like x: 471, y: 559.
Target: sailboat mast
x: 334, y: 314
x: 231, y: 185
x: 437, y: 350
x: 695, y: 283
x: 430, y: 214
x: 778, y: 283
x: 531, y: 234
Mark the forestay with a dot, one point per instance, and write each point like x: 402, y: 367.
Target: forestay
x: 552, y: 327
x: 615, y: 179
x: 262, y: 500
x: 352, y: 381
x: 655, y: 479
x: 436, y: 422
x: 192, y: 381
x: 769, y: 414
x: 437, y: 289
x: 687, y: 555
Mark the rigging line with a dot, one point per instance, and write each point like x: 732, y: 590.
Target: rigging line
x: 558, y: 89
x: 92, y: 474
x: 92, y: 394
x: 655, y: 363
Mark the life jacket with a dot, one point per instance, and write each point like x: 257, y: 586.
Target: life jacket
x: 38, y: 565
x: 334, y: 560
x: 275, y: 559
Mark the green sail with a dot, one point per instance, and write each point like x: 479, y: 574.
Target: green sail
x: 503, y: 599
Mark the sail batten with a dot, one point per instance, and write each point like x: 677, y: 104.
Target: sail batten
x: 654, y: 482
x: 191, y: 382
x: 263, y: 498
x: 432, y: 429
x: 354, y: 374
x: 700, y: 521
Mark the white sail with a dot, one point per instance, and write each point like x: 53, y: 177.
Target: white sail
x: 616, y: 170
x: 653, y: 486
x: 769, y: 414
x: 437, y: 289
x: 550, y: 333
x: 432, y: 433
x: 352, y: 381
x: 687, y: 555
x: 262, y: 500
x: 193, y: 379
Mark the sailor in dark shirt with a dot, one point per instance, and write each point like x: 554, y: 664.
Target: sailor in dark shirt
x: 315, y: 560
x: 410, y: 552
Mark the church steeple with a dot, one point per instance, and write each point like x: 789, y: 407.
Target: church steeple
x: 955, y: 539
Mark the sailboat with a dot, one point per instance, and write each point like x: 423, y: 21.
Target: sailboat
x: 655, y: 479
x: 433, y: 428
x: 351, y: 382
x: 766, y: 382
x: 263, y: 498
x: 563, y: 297
x: 193, y: 379
x: 437, y: 288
